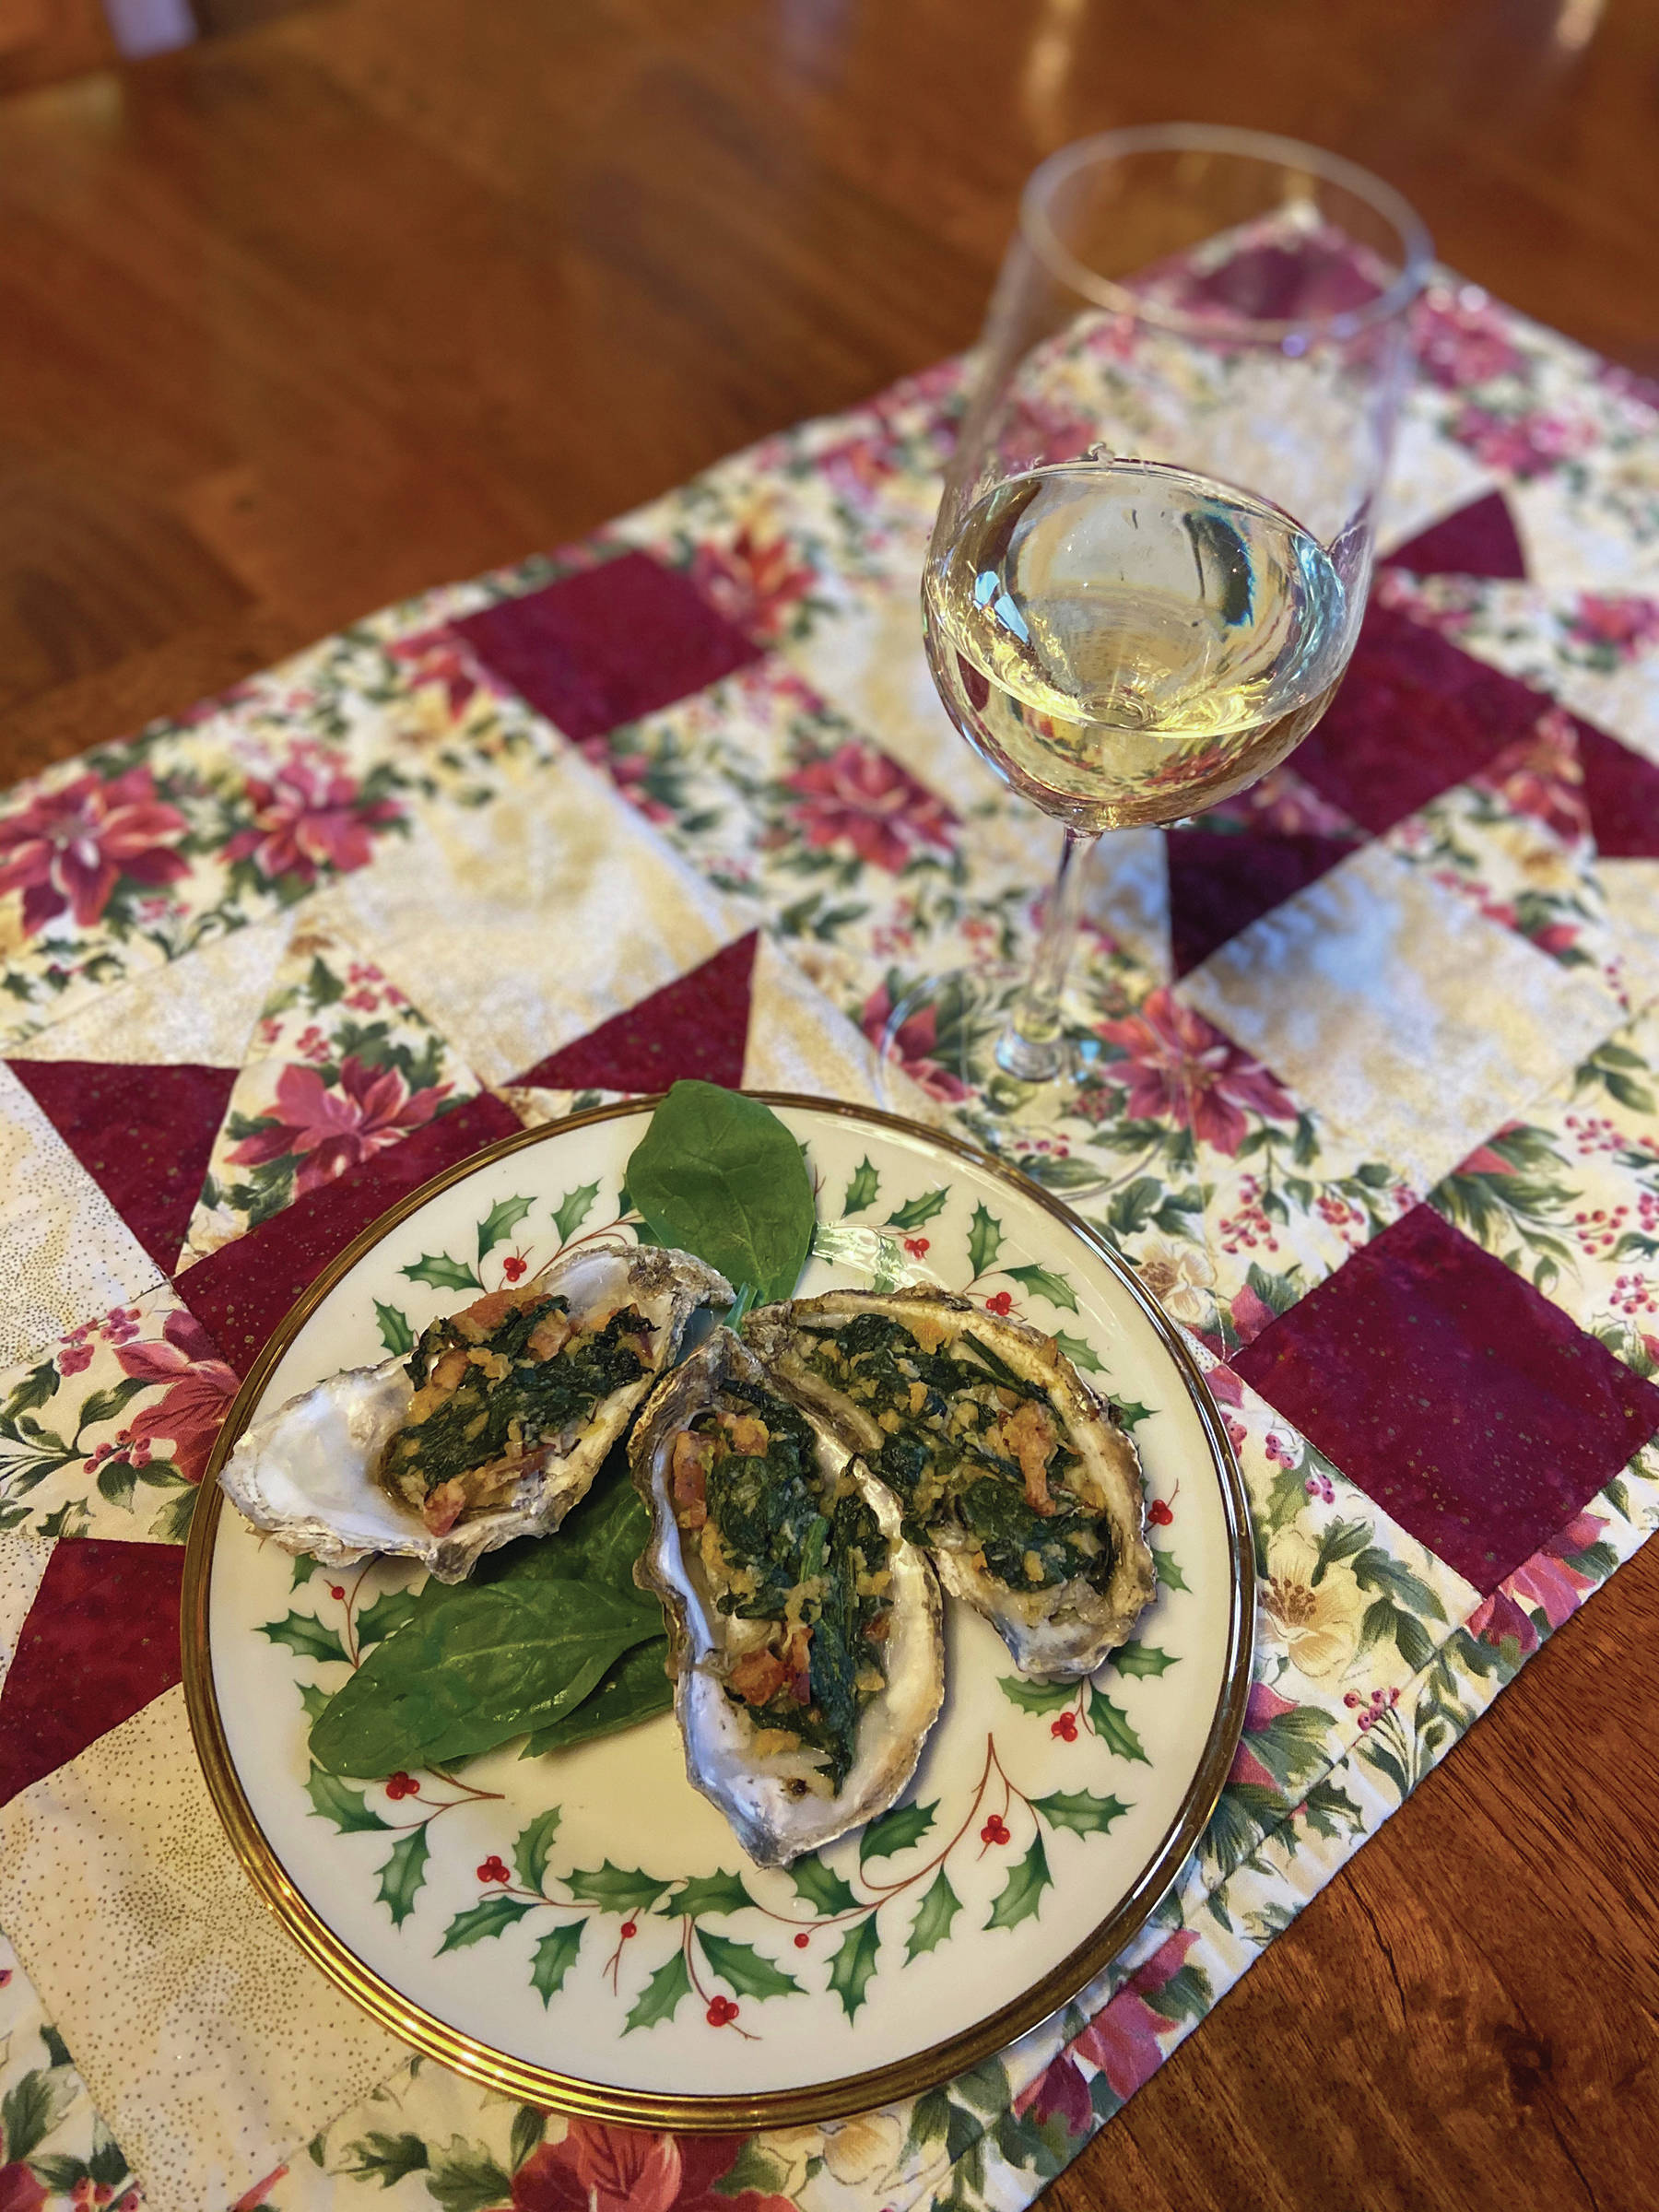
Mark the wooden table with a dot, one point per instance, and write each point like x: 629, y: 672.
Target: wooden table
x: 387, y: 291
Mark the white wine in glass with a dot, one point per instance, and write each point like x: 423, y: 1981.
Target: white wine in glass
x: 1122, y: 640
x: 1154, y: 543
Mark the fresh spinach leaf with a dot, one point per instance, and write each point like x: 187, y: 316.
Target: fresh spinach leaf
x: 476, y: 1666
x: 718, y: 1174
x: 637, y: 1688
x: 598, y: 1541
x: 542, y: 1629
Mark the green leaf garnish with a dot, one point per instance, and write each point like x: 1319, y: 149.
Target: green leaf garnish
x: 720, y: 1175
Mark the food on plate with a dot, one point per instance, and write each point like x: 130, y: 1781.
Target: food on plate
x: 493, y: 1427
x: 805, y: 1628
x: 1006, y: 1467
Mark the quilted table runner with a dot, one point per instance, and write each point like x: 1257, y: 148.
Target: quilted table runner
x: 1380, y: 1116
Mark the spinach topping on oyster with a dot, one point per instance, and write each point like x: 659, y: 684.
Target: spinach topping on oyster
x: 970, y: 1447
x: 798, y: 1557
x: 496, y: 1382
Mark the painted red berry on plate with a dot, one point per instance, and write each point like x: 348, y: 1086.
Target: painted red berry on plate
x: 1065, y: 1728
x: 493, y: 1870
x: 995, y: 1830
x: 722, y: 2012
x: 514, y: 1268
x: 402, y: 1785
x: 1002, y: 1303
x: 336, y: 1590
x: 802, y: 1940
x: 1158, y: 1513
x: 629, y: 1927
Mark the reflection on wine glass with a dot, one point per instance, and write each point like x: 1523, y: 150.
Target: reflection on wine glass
x: 1154, y: 544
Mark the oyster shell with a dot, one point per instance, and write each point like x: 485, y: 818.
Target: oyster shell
x: 312, y: 1473
x: 752, y: 1685
x: 1063, y: 1579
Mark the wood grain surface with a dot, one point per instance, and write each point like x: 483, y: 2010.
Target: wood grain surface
x: 384, y: 292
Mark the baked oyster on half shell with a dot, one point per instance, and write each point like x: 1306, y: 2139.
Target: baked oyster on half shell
x: 805, y: 1631
x: 1029, y: 1497
x: 493, y: 1427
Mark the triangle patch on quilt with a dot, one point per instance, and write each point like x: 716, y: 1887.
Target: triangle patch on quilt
x: 143, y: 1134
x: 1476, y: 540
x: 100, y: 1640
x: 696, y: 1026
x: 340, y: 1065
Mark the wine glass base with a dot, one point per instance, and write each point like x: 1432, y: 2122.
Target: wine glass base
x: 941, y: 1038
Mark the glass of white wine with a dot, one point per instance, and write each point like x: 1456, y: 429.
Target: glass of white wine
x: 1154, y: 544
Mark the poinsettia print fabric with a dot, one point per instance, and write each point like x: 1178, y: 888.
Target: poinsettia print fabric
x: 55, y: 2153
x: 107, y: 1432
x: 814, y: 789
x: 341, y: 1065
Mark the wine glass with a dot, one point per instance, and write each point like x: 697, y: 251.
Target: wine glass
x: 1154, y: 544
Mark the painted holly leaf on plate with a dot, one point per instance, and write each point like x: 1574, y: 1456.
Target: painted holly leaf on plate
x: 748, y: 1973
x: 1021, y: 1896
x: 554, y: 1957
x: 1043, y: 1282
x: 503, y: 1216
x: 854, y: 1962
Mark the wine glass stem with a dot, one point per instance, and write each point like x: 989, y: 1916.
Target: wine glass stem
x: 1031, y: 1048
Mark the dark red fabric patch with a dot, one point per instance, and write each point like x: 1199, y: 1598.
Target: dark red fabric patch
x: 241, y: 1292
x: 144, y: 1135
x: 609, y: 644
x: 1413, y: 717
x: 1479, y: 540
x: 697, y: 1026
x: 100, y: 1640
x: 1462, y: 1401
x: 1283, y: 283
x: 1621, y: 790
x: 1220, y: 881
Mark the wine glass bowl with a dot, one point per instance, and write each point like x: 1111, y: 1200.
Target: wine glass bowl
x: 1154, y: 540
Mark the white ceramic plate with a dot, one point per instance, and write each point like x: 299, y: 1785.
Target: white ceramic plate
x: 582, y: 1928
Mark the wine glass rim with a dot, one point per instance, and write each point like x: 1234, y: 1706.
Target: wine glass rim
x: 1038, y: 230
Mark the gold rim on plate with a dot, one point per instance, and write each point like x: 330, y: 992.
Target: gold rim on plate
x: 719, y: 2114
